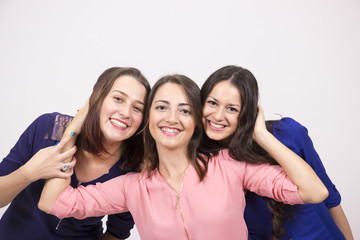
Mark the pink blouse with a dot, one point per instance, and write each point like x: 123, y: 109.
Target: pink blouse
x: 211, y: 209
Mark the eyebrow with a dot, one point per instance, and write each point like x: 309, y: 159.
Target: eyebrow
x: 213, y: 98
x: 231, y: 104
x: 126, y: 95
x: 184, y: 104
x: 167, y: 102
x: 237, y: 105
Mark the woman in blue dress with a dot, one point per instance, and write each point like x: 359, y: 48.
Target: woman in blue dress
x: 230, y: 103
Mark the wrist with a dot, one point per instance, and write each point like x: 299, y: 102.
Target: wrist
x: 261, y: 137
x: 27, y: 174
x: 76, y: 123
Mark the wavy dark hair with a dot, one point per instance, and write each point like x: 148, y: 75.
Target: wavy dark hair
x: 192, y: 91
x: 241, y: 145
x: 91, y: 136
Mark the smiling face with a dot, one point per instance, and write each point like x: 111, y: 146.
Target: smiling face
x: 122, y: 110
x: 221, y: 111
x: 171, y: 123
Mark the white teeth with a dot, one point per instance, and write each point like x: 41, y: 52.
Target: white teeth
x: 216, y: 125
x: 117, y: 123
x: 170, y: 130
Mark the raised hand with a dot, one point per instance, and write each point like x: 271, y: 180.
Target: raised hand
x: 260, y: 127
x: 47, y: 162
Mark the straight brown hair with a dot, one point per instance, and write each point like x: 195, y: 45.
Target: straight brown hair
x: 151, y: 158
x: 91, y: 137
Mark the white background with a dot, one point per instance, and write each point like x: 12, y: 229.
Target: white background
x: 304, y: 54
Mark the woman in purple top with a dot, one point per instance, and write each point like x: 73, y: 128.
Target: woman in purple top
x: 230, y: 103
x: 107, y: 147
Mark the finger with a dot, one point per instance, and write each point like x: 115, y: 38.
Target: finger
x: 63, y: 142
x: 68, y: 154
x: 73, y: 162
x: 260, y: 109
x: 66, y: 174
x: 70, y: 171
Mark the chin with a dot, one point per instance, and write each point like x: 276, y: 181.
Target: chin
x: 215, y: 137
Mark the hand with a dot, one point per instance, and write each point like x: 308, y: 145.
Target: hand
x: 77, y: 122
x: 260, y: 127
x: 47, y: 162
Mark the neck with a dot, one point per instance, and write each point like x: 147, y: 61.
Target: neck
x: 172, y: 163
x: 172, y: 167
x: 112, y: 148
x: 89, y: 166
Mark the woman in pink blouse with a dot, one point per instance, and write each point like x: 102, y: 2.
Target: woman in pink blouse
x: 181, y: 194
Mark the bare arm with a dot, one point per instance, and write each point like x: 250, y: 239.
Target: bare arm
x: 53, y: 187
x: 310, y: 187
x: 341, y: 221
x: 45, y: 164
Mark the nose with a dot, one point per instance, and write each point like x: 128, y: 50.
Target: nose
x: 219, y: 114
x: 124, y: 111
x: 172, y: 116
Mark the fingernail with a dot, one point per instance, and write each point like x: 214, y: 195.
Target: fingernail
x: 56, y: 143
x: 72, y: 133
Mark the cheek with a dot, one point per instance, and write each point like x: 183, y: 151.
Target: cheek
x: 137, y: 118
x: 203, y: 121
x: 102, y: 116
x: 236, y: 120
x: 106, y: 109
x: 191, y: 126
x: 234, y: 123
x: 152, y: 128
x: 206, y: 111
x: 151, y: 123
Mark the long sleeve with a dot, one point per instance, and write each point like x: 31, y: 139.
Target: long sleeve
x: 296, y: 137
x: 27, y: 145
x: 266, y: 180
x: 93, y: 200
x: 271, y: 181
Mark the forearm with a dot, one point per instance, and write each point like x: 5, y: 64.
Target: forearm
x: 13, y: 184
x: 54, y: 187
x: 341, y: 221
x: 74, y: 128
x: 51, y: 191
x: 77, y: 122
x: 310, y: 187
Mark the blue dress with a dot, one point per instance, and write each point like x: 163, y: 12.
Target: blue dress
x: 23, y: 220
x: 308, y: 221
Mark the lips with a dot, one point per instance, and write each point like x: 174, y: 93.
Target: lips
x: 170, y: 131
x: 215, y: 126
x: 118, y: 123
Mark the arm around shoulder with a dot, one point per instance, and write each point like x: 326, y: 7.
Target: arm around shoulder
x: 54, y: 186
x: 310, y: 188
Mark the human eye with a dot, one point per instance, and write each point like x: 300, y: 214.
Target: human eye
x: 138, y: 109
x: 160, y: 107
x: 232, y: 110
x: 211, y: 103
x: 185, y: 111
x: 118, y: 99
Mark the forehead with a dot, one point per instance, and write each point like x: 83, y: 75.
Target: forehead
x: 225, y: 91
x: 171, y: 92
x: 130, y: 86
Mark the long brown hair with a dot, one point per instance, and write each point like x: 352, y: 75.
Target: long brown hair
x: 241, y: 145
x: 91, y: 136
x: 192, y: 91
